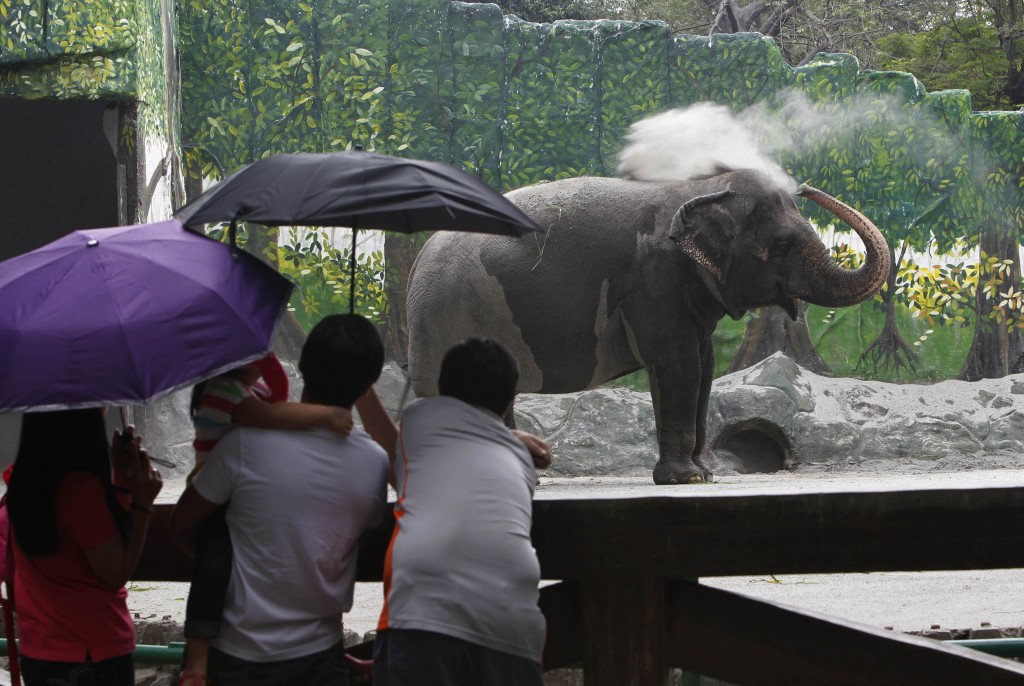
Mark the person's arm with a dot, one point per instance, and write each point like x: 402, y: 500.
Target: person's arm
x: 291, y: 416
x: 378, y: 423
x: 539, y: 449
x: 114, y: 560
x: 211, y: 487
x: 188, y: 513
x: 274, y: 376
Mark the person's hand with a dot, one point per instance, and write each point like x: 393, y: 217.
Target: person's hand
x: 132, y: 470
x: 539, y: 449
x: 148, y: 481
x: 124, y: 459
x: 340, y: 420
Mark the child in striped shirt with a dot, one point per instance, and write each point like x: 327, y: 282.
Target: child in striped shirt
x: 252, y: 395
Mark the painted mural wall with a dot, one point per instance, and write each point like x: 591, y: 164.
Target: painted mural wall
x: 98, y: 49
x: 517, y: 103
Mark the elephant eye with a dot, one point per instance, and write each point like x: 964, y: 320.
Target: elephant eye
x: 781, y: 247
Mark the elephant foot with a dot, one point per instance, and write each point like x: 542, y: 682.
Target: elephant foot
x: 705, y: 472
x: 679, y: 472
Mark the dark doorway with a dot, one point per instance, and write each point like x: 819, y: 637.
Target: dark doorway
x: 62, y: 167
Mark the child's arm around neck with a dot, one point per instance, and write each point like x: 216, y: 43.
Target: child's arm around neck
x: 291, y: 416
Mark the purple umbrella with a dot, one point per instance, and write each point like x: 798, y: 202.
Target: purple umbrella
x: 124, y: 315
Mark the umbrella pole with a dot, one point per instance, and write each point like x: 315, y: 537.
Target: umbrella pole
x: 352, y: 275
x: 233, y: 237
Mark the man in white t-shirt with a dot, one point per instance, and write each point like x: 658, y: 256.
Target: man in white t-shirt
x: 298, y: 502
x: 461, y: 573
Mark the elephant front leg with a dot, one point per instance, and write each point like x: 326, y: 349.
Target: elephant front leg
x: 676, y: 401
x: 707, y: 375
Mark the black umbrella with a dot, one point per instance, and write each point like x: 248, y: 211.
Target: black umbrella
x: 357, y: 189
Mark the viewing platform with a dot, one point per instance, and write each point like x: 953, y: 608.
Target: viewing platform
x: 629, y: 606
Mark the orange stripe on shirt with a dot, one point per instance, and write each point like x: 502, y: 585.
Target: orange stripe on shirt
x: 383, y: 623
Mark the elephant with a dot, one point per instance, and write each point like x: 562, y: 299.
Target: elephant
x: 632, y: 274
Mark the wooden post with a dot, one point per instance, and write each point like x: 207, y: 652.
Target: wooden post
x: 623, y: 629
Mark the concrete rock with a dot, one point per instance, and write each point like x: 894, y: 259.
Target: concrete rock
x: 852, y: 422
x: 564, y: 677
x: 155, y: 676
x: 984, y: 632
x: 777, y: 415
x: 158, y: 633
x: 605, y: 431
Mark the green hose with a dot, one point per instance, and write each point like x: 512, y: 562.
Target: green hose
x: 1001, y: 647
x: 144, y: 654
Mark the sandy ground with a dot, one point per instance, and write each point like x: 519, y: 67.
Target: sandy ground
x: 906, y: 601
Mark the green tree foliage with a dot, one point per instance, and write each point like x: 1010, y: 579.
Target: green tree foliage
x: 553, y: 72
x: 801, y: 28
x: 952, y: 55
x: 478, y: 74
x: 629, y: 90
x: 323, y: 277
x: 421, y: 97
x: 544, y: 11
x: 68, y: 49
x: 22, y: 31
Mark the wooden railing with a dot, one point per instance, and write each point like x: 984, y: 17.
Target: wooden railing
x: 629, y: 606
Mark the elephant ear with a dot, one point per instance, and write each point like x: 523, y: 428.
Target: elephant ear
x: 704, y: 231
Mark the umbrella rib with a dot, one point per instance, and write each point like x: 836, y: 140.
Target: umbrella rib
x: 122, y: 332
x: 52, y: 287
x: 250, y: 327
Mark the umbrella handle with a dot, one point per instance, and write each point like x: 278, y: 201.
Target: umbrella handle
x: 124, y: 426
x: 352, y: 274
x: 232, y: 238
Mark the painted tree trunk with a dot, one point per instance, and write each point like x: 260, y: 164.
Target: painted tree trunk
x: 773, y: 331
x: 400, y: 252
x: 889, y: 353
x: 994, y: 352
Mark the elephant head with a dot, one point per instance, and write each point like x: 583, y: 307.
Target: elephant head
x: 754, y: 248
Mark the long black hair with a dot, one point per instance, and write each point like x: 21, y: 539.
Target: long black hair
x: 197, y: 398
x: 52, y: 445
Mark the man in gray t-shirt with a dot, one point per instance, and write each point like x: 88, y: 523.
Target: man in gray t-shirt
x: 461, y: 573
x: 298, y: 501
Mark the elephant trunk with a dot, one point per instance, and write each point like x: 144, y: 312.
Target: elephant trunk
x: 822, y: 281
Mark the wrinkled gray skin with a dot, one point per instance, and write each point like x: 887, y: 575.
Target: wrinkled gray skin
x: 629, y: 276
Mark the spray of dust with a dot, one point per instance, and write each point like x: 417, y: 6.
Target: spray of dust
x: 695, y: 142
x: 707, y: 139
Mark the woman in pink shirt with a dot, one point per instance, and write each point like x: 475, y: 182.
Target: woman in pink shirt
x: 77, y: 539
